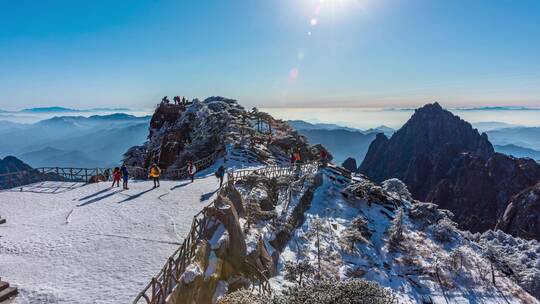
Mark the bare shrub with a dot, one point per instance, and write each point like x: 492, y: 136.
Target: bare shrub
x: 243, y: 296
x: 444, y: 230
x: 355, y: 291
x: 397, y: 189
x: 428, y: 213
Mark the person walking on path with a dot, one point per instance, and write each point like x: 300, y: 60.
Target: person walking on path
x: 125, y: 176
x: 191, y: 170
x: 155, y: 172
x: 220, y: 173
x: 116, y: 177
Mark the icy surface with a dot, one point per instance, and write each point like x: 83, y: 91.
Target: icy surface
x: 74, y: 243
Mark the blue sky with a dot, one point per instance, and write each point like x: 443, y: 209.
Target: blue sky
x: 278, y: 53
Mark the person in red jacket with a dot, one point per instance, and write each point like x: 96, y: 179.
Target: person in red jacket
x: 116, y: 177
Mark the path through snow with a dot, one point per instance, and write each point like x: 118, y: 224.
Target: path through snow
x: 75, y: 243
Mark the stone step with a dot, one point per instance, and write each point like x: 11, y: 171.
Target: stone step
x: 8, y: 293
x: 3, y: 285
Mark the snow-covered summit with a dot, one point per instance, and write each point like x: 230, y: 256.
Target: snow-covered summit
x: 179, y: 133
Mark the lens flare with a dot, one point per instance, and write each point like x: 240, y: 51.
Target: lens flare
x: 313, y: 22
x: 293, y: 75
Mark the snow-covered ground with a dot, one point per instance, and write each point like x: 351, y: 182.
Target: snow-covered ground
x: 75, y: 243
x: 372, y: 260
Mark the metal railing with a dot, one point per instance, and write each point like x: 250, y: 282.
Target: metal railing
x: 85, y: 175
x: 163, y: 284
x: 26, y: 177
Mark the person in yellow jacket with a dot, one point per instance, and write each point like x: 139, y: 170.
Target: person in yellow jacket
x: 155, y: 172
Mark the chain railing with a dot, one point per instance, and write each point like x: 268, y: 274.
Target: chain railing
x: 163, y: 284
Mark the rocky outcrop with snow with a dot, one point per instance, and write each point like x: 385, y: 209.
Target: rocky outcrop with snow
x: 240, y: 245
x: 179, y: 133
x: 442, y: 159
x: 297, y: 231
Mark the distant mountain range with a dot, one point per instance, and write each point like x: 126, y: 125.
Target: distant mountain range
x: 342, y: 142
x: 41, y: 110
x: 528, y: 137
x: 518, y: 151
x: 74, y: 141
x: 51, y: 157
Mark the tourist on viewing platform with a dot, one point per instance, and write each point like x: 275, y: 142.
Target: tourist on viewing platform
x: 155, y: 172
x: 165, y: 100
x: 220, y: 173
x: 191, y: 170
x: 324, y: 157
x: 116, y: 177
x: 125, y: 176
x: 176, y: 100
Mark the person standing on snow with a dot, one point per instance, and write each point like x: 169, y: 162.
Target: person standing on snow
x: 116, y: 177
x: 220, y: 173
x: 155, y: 172
x: 125, y: 176
x: 191, y: 170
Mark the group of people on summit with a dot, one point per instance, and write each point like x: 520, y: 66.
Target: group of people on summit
x: 176, y: 99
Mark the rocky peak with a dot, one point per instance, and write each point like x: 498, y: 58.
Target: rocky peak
x: 197, y: 129
x: 13, y: 164
x: 431, y: 127
x: 443, y: 160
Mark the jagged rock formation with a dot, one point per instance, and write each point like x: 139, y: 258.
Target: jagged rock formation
x: 522, y: 216
x: 236, y: 248
x: 442, y: 159
x: 12, y: 164
x: 350, y: 164
x: 179, y: 133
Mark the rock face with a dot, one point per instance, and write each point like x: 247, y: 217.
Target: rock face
x: 522, y: 216
x: 179, y: 133
x: 12, y: 164
x: 443, y: 160
x: 350, y: 164
x: 21, y: 173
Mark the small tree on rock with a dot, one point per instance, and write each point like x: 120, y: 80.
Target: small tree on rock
x: 298, y: 272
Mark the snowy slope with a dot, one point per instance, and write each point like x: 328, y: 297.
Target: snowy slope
x: 409, y: 271
x: 74, y: 243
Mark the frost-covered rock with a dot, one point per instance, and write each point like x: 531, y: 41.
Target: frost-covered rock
x: 521, y: 256
x: 179, y: 133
